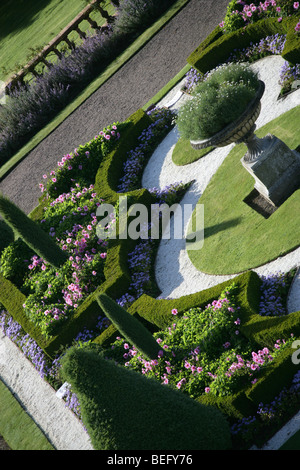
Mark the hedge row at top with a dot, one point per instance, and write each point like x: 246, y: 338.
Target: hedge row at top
x: 218, y: 46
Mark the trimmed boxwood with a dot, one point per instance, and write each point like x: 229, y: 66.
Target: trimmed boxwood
x: 123, y: 410
x: 130, y: 327
x: 208, y: 57
x: 156, y: 313
x: 262, y: 331
x: 111, y: 168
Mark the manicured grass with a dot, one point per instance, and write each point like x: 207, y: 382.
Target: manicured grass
x: 293, y: 443
x: 89, y: 90
x: 237, y: 238
x: 18, y: 429
x: 183, y: 152
x: 32, y: 24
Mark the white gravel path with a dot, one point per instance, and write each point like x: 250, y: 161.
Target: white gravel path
x: 184, y: 278
x: 60, y: 425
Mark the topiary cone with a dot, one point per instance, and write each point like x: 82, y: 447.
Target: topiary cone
x: 123, y: 410
x: 31, y: 233
x: 128, y: 326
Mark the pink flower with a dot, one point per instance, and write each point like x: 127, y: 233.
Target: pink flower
x: 103, y: 255
x: 279, y: 20
x: 207, y: 389
x: 45, y: 177
x: 296, y: 5
x: 174, y: 311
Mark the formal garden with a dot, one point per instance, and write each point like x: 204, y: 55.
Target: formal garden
x: 86, y: 309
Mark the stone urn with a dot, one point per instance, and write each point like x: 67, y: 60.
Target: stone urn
x: 274, y: 167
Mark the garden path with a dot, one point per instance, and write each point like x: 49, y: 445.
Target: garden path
x: 116, y: 101
x: 160, y: 171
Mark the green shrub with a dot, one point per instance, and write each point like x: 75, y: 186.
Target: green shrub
x: 217, y: 101
x: 291, y: 51
x: 134, y: 16
x: 129, y: 327
x: 31, y: 233
x: 122, y: 410
x: 233, y: 20
x: 12, y: 264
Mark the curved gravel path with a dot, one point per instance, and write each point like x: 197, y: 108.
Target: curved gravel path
x: 184, y: 278
x: 127, y: 90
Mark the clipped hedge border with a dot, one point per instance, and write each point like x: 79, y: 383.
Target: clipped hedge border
x: 217, y: 49
x: 264, y: 331
x: 116, y: 271
x: 156, y: 313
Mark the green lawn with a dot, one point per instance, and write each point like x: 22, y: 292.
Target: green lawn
x: 236, y: 237
x: 183, y: 153
x: 32, y: 24
x: 18, y: 429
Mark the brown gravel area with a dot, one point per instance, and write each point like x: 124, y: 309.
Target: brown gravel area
x: 125, y: 92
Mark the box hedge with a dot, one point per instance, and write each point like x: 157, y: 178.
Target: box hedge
x: 123, y: 410
x: 261, y: 330
x: 213, y: 53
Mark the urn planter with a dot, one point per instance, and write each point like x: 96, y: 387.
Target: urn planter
x: 274, y: 167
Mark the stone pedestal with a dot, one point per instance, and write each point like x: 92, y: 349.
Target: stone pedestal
x: 276, y: 171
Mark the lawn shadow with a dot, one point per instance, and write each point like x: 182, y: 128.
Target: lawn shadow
x: 213, y: 230
x: 18, y: 14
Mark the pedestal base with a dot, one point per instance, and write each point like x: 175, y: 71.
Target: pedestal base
x: 276, y: 172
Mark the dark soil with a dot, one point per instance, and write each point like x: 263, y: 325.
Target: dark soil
x: 3, y: 445
x: 126, y: 91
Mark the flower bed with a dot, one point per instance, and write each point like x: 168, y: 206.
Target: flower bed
x: 241, y: 14
x: 270, y: 45
x: 203, y: 351
x: 49, y: 297
x: 210, y: 55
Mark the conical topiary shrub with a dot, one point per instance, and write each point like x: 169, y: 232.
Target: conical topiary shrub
x: 128, y: 326
x: 31, y: 233
x: 123, y: 410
